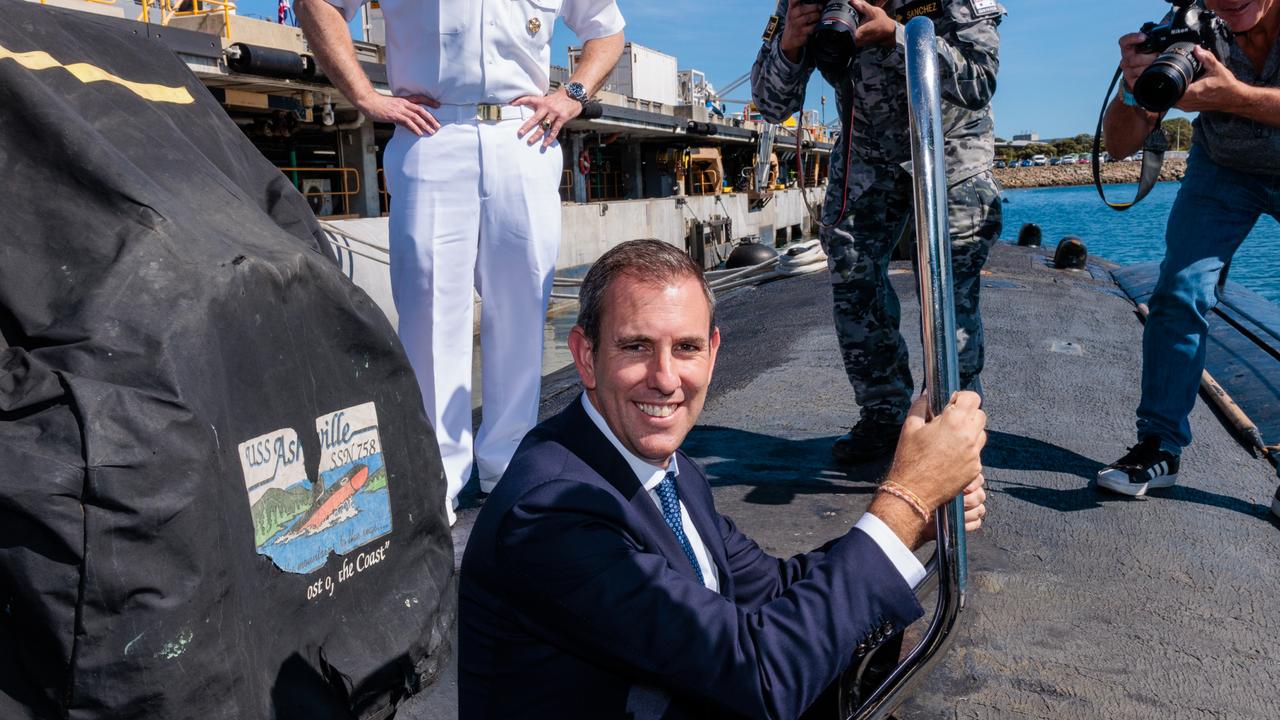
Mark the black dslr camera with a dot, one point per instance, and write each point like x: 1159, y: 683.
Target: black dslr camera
x: 1162, y: 85
x: 832, y: 40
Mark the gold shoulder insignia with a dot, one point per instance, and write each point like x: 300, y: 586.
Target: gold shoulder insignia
x: 771, y: 28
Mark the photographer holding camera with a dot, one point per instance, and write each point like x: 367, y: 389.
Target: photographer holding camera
x: 1232, y: 177
x: 858, y: 48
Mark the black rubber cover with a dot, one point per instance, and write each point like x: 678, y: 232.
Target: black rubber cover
x: 219, y: 495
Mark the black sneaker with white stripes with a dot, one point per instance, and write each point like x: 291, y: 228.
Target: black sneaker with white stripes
x: 1144, y: 467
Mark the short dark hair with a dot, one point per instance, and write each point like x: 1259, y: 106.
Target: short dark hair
x: 648, y: 261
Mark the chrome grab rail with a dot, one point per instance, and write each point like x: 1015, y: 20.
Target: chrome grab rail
x: 949, y: 566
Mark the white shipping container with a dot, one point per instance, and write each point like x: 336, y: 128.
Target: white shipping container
x: 641, y: 73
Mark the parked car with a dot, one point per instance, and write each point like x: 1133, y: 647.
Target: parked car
x: 1069, y: 159
x: 1025, y: 162
x: 1039, y: 160
x: 1001, y: 163
x: 1084, y: 159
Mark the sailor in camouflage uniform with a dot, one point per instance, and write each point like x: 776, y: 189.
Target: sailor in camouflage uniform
x: 869, y: 195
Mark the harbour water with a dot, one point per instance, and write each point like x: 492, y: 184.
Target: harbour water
x: 1135, y: 235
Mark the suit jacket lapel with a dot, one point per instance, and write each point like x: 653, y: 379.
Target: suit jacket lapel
x: 581, y: 436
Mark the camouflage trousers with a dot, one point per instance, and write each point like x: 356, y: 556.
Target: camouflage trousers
x: 867, y: 312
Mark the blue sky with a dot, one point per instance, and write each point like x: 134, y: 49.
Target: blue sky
x: 1057, y: 56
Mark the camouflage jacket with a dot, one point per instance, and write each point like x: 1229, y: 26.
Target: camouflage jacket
x: 875, y: 90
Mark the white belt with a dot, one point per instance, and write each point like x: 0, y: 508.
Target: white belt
x: 482, y: 112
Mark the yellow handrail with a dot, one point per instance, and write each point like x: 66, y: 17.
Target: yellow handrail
x: 705, y: 182
x: 604, y: 185
x: 384, y: 206
x: 566, y: 184
x: 167, y: 11
x: 347, y: 187
x: 197, y: 8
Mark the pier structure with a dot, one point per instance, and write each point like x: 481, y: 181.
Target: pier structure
x: 662, y: 160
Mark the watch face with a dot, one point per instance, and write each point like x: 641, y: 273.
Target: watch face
x: 576, y: 91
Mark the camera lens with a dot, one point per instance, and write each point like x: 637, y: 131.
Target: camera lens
x: 834, y: 48
x: 833, y: 39
x: 1162, y: 85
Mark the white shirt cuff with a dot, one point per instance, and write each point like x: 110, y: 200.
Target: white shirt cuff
x: 899, y: 554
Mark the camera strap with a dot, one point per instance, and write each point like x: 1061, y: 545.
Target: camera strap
x: 1152, y: 155
x: 844, y: 102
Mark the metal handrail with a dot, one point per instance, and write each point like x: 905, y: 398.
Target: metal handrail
x: 704, y: 182
x: 167, y: 12
x: 949, y: 565
x: 603, y: 185
x: 384, y: 195
x: 198, y: 7
x: 349, y: 188
x: 566, y: 184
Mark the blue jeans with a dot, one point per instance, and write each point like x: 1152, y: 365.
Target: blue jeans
x: 1215, y: 209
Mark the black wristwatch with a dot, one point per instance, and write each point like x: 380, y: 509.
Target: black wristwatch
x: 577, y: 91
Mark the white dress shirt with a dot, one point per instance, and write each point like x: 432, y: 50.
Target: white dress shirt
x: 650, y: 475
x: 463, y: 52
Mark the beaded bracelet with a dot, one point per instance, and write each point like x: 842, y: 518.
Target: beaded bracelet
x: 906, y: 496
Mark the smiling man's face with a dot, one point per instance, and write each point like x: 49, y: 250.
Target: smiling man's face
x: 1241, y: 15
x: 649, y: 375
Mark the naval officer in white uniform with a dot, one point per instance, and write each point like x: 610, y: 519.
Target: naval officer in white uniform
x: 473, y: 170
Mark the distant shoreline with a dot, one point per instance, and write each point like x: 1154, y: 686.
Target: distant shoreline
x: 1066, y: 175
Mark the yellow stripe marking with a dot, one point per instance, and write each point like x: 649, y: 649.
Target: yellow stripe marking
x: 86, y: 73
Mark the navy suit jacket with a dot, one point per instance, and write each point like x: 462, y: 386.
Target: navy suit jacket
x: 577, y: 601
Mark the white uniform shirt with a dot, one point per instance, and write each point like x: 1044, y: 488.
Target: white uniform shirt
x: 650, y: 475
x: 462, y: 52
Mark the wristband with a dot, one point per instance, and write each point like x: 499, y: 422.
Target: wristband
x: 1129, y: 99
x: 906, y: 496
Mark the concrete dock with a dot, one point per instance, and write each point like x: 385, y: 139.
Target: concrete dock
x: 1082, y: 604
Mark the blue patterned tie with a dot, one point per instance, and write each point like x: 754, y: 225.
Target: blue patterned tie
x: 671, y: 513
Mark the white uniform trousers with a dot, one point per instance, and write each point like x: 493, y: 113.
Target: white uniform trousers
x: 474, y: 205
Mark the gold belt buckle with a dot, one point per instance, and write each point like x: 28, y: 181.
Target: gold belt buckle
x: 487, y: 112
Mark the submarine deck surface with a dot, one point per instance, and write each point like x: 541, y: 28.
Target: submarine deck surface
x: 1081, y: 604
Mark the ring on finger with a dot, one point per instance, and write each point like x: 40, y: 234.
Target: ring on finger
x: 546, y: 124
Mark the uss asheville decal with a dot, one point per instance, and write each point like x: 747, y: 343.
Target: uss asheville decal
x: 297, y: 521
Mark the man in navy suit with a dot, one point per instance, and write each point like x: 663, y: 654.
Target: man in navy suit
x: 599, y: 580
